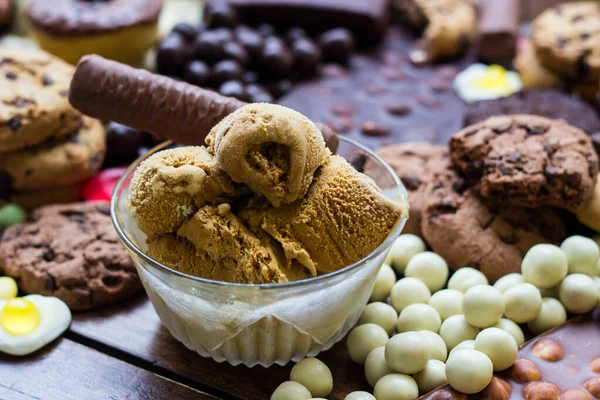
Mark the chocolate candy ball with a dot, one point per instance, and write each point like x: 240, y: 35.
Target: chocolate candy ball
x: 235, y: 51
x: 482, y: 305
x: 314, y: 375
x: 233, y: 89
x: 429, y: 268
x: 403, y: 249
x: 509, y: 326
x: 386, y: 278
x: 553, y: 314
x: 544, y: 265
x: 275, y: 58
x: 186, y: 31
x: 582, y: 255
x: 218, y: 13
x: 209, y: 45
x: 266, y: 30
x: 376, y: 367
x: 307, y: 56
x: 363, y: 339
x: 447, y: 302
x: 122, y: 143
x: 469, y: 371
x: 456, y: 329
x: 407, y: 352
x: 432, y: 376
x: 437, y: 346
x: 466, y: 277
x: 499, y: 346
x: 381, y: 314
x: 337, y: 45
x: 279, y: 88
x: 290, y: 390
x: 197, y: 73
x: 294, y: 34
x: 259, y: 94
x: 578, y: 293
x: 396, y: 387
x: 523, y: 302
x: 417, y: 317
x: 360, y: 396
x: 409, y: 291
x: 508, y: 280
x: 226, y: 70
x: 172, y: 54
x: 251, y: 40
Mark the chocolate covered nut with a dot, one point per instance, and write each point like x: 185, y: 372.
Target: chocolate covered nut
x: 548, y: 349
x: 172, y: 54
x: 276, y: 58
x: 337, y: 45
x: 197, y: 73
x: 218, y: 13
x: 226, y: 70
x: 233, y: 88
x: 307, y: 55
x: 575, y: 394
x: 541, y: 391
x: 251, y: 40
x: 498, y: 389
x: 237, y: 52
x: 524, y: 371
x: 209, y: 45
x: 593, y: 386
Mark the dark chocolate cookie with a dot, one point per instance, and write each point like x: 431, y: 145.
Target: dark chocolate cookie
x: 72, y: 252
x: 465, y: 232
x: 527, y: 161
x: 415, y: 164
x: 548, y: 103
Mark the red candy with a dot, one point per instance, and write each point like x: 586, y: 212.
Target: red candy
x: 102, y: 185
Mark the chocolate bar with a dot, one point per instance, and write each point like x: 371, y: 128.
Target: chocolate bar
x: 368, y: 20
x: 561, y: 363
x: 499, y: 31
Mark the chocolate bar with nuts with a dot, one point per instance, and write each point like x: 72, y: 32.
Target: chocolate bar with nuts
x: 563, y: 363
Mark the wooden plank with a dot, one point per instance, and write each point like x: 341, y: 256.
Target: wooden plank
x: 135, y: 329
x: 67, y: 370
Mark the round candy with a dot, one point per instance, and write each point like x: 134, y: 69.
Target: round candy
x: 360, y: 396
x: 467, y: 344
x: 123, y: 144
x: 466, y: 277
x: 237, y: 52
x: 381, y: 314
x: 11, y: 214
x: 307, y: 56
x: 187, y: 31
x: 19, y: 316
x: 409, y: 291
x: 469, y: 371
x: 363, y: 339
x: 276, y: 58
x: 8, y: 288
x: 522, y: 302
x: 376, y: 367
x: 314, y: 375
x: 337, y: 45
x: 383, y: 284
x: 233, y: 89
x: 290, y: 390
x: 578, y: 293
x: 456, y: 329
x: 418, y: 317
x: 432, y: 376
x: 220, y: 14
x: 251, y: 40
x: 209, y: 46
x: 100, y: 187
x: 508, y: 280
x: 499, y: 346
x: 226, y: 70
x: 429, y: 268
x: 437, y: 346
x: 447, y: 302
x: 544, y: 265
x: 483, y: 305
x: 512, y: 328
x: 553, y: 313
x: 407, y: 352
x: 582, y: 255
x: 172, y: 54
x: 293, y: 34
x: 396, y: 387
x: 403, y: 249
x: 197, y: 73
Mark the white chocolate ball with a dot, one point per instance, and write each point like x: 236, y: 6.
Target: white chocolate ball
x: 482, y: 305
x: 407, y: 352
x: 469, y: 371
x: 467, y: 344
x: 456, y: 329
x: 578, y: 293
x: 409, y: 291
x: 522, y: 303
x: 509, y: 326
x: 553, y: 313
x: 376, y: 367
x: 396, y: 387
x: 383, y: 284
x: 466, y: 277
x: 360, y: 396
x: 418, y: 317
x: 508, y: 280
x: 437, y: 346
x: 429, y: 268
x: 381, y: 314
x: 432, y: 376
x: 403, y: 249
x: 290, y: 390
x: 447, y: 302
x: 314, y: 375
x: 544, y: 265
x: 499, y: 346
x: 363, y: 339
x: 582, y: 254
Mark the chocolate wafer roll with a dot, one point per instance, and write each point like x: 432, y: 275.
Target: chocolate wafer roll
x: 175, y: 110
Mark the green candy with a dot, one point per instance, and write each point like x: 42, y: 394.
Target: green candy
x: 11, y: 214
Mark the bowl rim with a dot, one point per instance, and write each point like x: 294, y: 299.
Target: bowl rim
x: 394, y: 233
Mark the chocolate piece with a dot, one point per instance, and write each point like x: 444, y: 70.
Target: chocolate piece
x: 499, y: 30
x: 337, y: 45
x: 572, y: 376
x: 368, y: 20
x: 218, y: 13
x: 197, y: 73
x: 151, y: 103
x: 172, y: 55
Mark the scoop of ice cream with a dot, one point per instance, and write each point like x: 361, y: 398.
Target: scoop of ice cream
x: 272, y: 149
x: 171, y: 185
x: 343, y: 218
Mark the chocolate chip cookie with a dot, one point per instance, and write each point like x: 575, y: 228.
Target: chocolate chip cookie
x: 567, y: 40
x: 465, y: 232
x: 527, y: 161
x: 72, y: 252
x: 58, y: 162
x: 34, y: 105
x: 415, y: 164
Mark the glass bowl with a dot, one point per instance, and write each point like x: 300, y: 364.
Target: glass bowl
x: 259, y: 324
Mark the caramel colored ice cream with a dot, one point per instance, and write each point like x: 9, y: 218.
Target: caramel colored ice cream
x: 266, y: 202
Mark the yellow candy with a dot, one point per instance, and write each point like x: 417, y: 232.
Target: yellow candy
x: 19, y: 317
x: 8, y: 288
x: 494, y: 78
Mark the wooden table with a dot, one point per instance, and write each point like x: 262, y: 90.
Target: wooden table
x: 123, y: 352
